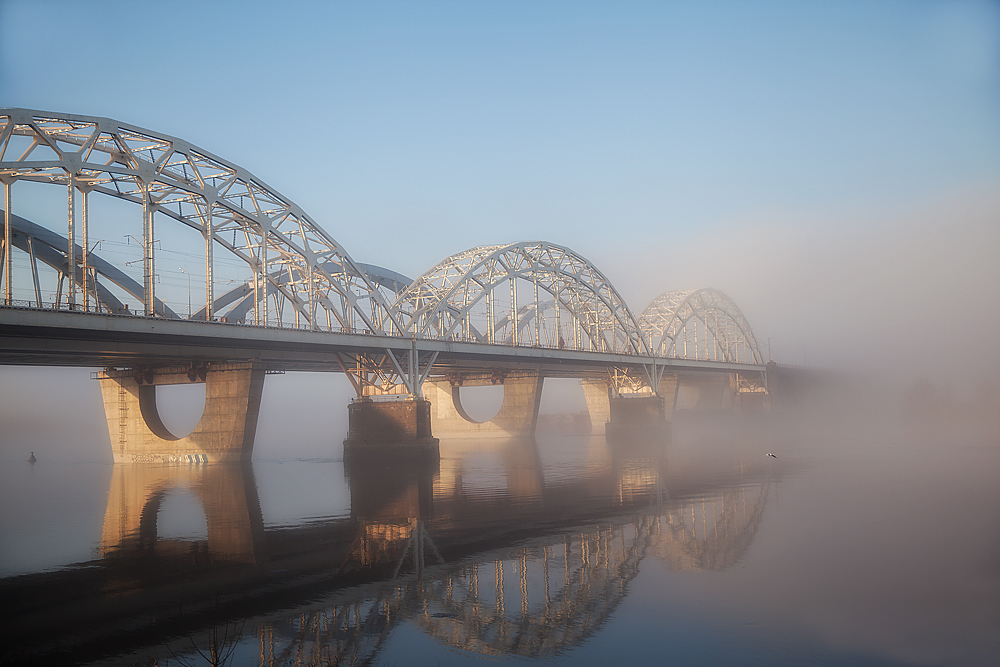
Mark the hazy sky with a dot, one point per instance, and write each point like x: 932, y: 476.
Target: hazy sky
x: 833, y: 166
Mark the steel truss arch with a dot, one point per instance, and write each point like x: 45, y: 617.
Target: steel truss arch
x: 699, y: 324
x: 471, y: 295
x: 174, y: 178
x: 713, y: 534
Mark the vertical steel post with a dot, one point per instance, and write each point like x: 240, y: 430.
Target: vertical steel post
x: 558, y: 323
x: 256, y: 284
x: 538, y: 311
x: 466, y: 326
x: 312, y: 300
x: 513, y: 307
x: 84, y: 245
x: 695, y: 322
x: 209, y: 262
x: 489, y: 315
x: 34, y: 271
x: 8, y: 273
x: 346, y: 303
x: 71, y: 242
x: 263, y: 270
x: 147, y: 251
x: 715, y: 336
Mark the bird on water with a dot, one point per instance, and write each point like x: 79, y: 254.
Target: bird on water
x: 771, y: 455
x: 32, y: 459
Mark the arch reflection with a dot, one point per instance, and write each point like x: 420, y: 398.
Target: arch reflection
x: 502, y: 549
x: 578, y: 546
x: 228, y: 497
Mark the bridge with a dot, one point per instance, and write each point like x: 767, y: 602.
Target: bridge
x: 280, y: 294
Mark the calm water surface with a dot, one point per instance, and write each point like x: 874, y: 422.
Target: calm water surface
x: 565, y: 550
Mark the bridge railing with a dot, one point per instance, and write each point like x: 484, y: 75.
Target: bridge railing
x: 100, y: 309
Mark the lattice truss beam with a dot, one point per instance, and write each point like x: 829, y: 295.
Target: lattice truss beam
x: 530, y: 293
x: 292, y: 259
x: 391, y: 373
x: 699, y: 324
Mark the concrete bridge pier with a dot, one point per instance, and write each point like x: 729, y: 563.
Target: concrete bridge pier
x: 518, y: 415
x: 389, y: 429
x: 597, y: 394
x: 626, y: 414
x: 227, y: 427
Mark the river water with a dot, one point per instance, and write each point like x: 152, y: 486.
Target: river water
x: 851, y: 547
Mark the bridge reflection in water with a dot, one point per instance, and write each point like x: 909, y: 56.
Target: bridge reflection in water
x: 578, y: 546
x: 529, y: 570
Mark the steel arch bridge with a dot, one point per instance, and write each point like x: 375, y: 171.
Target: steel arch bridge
x: 536, y: 294
x: 475, y: 295
x: 485, y: 314
x: 699, y: 324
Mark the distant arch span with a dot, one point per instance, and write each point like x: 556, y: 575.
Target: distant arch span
x: 699, y: 324
x: 471, y: 294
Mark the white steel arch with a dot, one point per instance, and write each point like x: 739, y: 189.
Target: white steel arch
x: 291, y: 257
x: 45, y: 246
x: 478, y: 295
x: 699, y: 324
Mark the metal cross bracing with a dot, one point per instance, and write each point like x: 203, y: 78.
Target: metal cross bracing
x: 521, y: 295
x: 170, y: 178
x: 699, y: 324
x: 92, y: 277
x: 475, y: 295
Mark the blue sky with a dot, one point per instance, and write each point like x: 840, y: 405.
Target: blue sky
x: 759, y: 147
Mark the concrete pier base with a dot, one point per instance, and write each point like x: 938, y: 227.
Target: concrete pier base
x: 390, y: 429
x: 224, y: 434
x: 630, y: 415
x: 518, y: 414
x: 642, y: 416
x: 597, y: 394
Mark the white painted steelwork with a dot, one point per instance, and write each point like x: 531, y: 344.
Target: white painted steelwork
x: 534, y: 302
x: 291, y: 257
x: 699, y: 324
x: 474, y: 295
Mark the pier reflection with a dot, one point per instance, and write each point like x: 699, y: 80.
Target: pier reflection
x: 530, y: 571
x: 504, y: 548
x: 227, y: 494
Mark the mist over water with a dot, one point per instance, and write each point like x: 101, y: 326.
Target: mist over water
x: 834, y: 168
x: 870, y: 539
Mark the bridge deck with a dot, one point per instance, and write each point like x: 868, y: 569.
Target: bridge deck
x: 30, y: 336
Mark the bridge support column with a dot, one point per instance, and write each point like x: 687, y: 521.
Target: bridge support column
x: 227, y: 427
x: 597, y: 394
x: 518, y: 413
x: 629, y: 415
x: 637, y: 416
x: 389, y: 429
